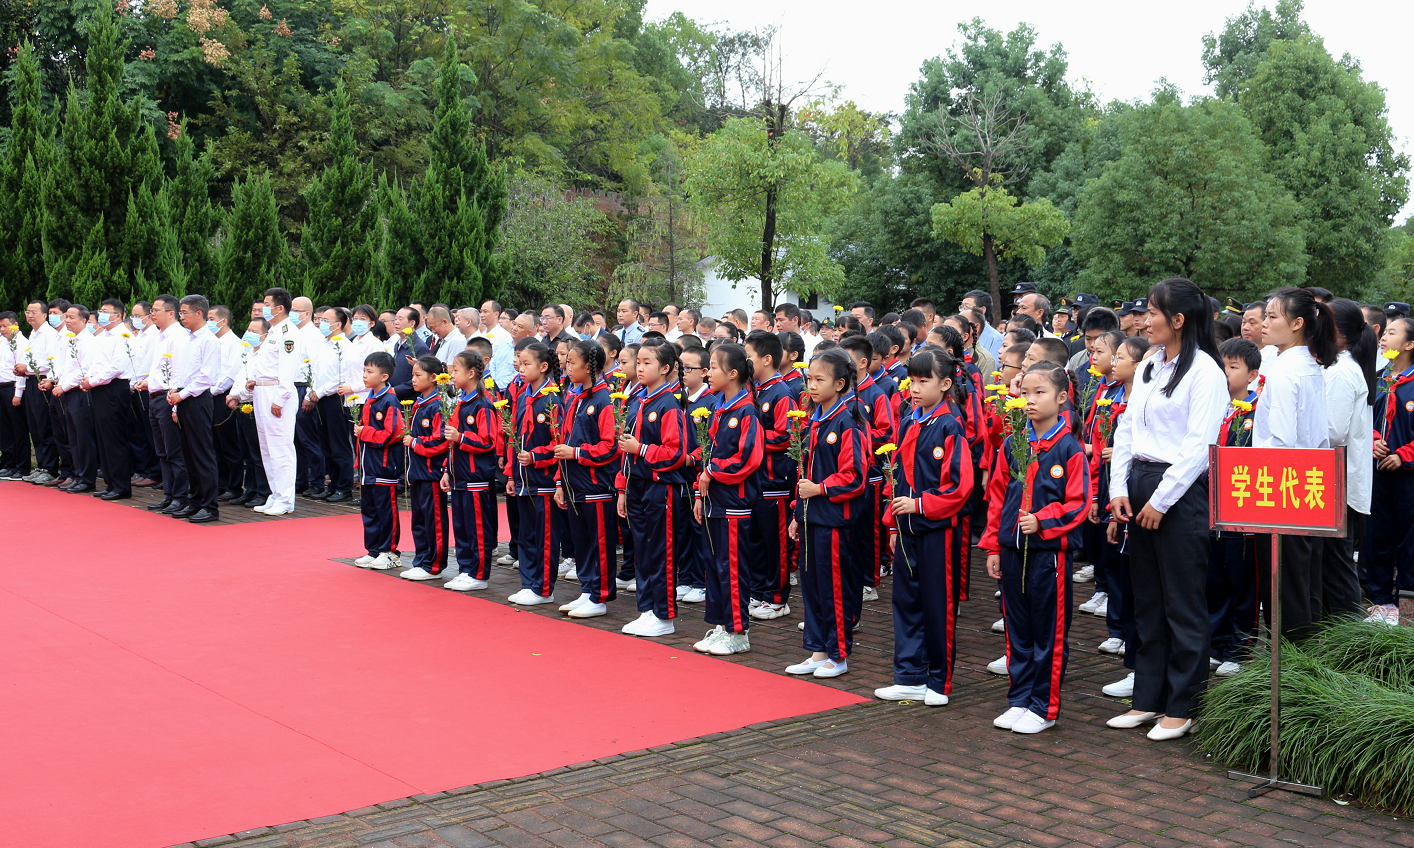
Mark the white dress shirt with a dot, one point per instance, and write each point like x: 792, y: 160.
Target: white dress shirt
x: 1352, y: 425
x: 42, y: 348
x: 363, y: 347
x: 12, y: 352
x: 1292, y: 412
x: 281, y: 359
x: 330, y: 366
x: 167, y: 347
x: 232, y: 349
x: 115, y: 357
x: 314, y: 342
x: 76, y: 357
x: 502, y: 367
x: 449, y: 347
x: 1176, y: 430
x: 143, y: 343
x: 198, y: 367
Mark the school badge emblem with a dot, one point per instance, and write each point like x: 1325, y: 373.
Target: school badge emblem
x: 590, y: 410
x: 1057, y: 471
x: 830, y: 439
x: 652, y: 416
x: 766, y: 407
x: 937, y: 453
x: 731, y: 422
x: 1409, y: 407
x: 540, y: 418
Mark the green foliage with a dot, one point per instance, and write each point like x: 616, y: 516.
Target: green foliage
x: 546, y: 244
x: 664, y: 245
x: 990, y: 218
x: 1189, y: 195
x: 400, y: 249
x: 1232, y: 57
x: 253, y: 254
x: 340, y: 242
x: 94, y: 277
x: 21, y: 212
x: 194, y: 218
x: 1396, y: 278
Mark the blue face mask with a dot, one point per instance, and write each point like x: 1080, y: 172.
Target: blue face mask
x: 54, y: 320
x: 324, y: 329
x: 104, y: 318
x: 213, y: 326
x: 88, y: 328
x: 137, y: 323
x: 360, y: 327
x: 251, y: 338
x: 267, y: 313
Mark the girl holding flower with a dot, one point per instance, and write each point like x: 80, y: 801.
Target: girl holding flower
x: 1390, y: 550
x: 532, y: 473
x: 426, y: 439
x: 476, y: 435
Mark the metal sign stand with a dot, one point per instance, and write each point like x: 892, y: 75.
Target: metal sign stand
x: 1273, y: 780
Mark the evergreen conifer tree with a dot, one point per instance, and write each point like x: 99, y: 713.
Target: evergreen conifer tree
x: 339, y: 244
x: 253, y: 252
x: 21, y: 225
x: 401, y: 250
x: 187, y: 249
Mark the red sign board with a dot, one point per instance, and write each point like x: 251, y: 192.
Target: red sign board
x: 1287, y: 491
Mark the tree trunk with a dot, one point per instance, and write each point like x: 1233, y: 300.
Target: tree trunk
x: 989, y: 253
x: 768, y: 250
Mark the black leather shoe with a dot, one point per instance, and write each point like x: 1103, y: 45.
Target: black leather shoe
x: 310, y: 492
x: 322, y: 494
x: 203, y: 515
x: 160, y: 505
x: 79, y: 488
x: 175, y: 507
x: 229, y: 495
x: 114, y: 495
x: 187, y: 511
x: 340, y: 497
x: 239, y: 500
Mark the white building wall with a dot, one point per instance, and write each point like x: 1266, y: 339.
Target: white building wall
x: 721, y: 295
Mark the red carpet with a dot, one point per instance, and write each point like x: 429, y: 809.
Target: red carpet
x: 163, y: 683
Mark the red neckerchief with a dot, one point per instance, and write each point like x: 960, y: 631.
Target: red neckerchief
x: 1232, y: 413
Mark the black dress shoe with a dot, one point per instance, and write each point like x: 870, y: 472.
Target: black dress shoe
x: 202, y: 516
x: 228, y: 495
x: 175, y: 507
x: 160, y: 505
x: 322, y: 494
x: 115, y: 495
x: 310, y: 492
x: 340, y: 497
x: 79, y: 488
x: 239, y: 500
x: 186, y: 511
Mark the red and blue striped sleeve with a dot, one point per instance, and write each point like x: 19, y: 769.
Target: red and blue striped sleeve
x: 742, y: 457
x: 1060, y: 517
x: 851, y: 461
x: 775, y: 424
x: 604, y: 449
x: 384, y: 433
x: 996, y: 496
x: 671, y: 450
x: 543, y: 456
x: 954, y: 481
x: 485, y: 433
x: 433, y: 445
x: 881, y: 428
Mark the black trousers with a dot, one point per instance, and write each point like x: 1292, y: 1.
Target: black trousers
x: 309, y: 457
x: 1300, y: 584
x: 14, y: 431
x: 831, y: 587
x: 658, y: 514
x: 771, y: 550
x: 429, y: 525
x: 1337, y: 592
x: 539, y: 536
x: 226, y: 440
x: 254, y: 479
x: 194, y: 417
x: 111, y: 420
x: 926, y: 595
x: 1169, y: 568
x: 62, y: 437
x: 140, y: 438
x: 1389, y: 544
x: 336, y: 440
x: 381, y: 527
x: 167, y: 442
x: 41, y: 428
x: 728, y: 585
x: 83, y: 442
x: 594, y: 532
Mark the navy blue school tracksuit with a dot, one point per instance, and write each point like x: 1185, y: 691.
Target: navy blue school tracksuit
x: 658, y: 484
x: 1113, y: 561
x: 831, y: 577
x: 1036, y: 585
x: 512, y: 501
x: 872, y: 538
x: 794, y: 378
x: 734, y: 456
x: 770, y: 549
x: 626, y: 565
x: 425, y: 469
x: 535, y: 407
x: 381, y: 458
x: 1232, y: 566
x: 692, y: 574
x: 934, y: 467
x: 1094, y: 534
x: 588, y: 485
x: 886, y: 380
x: 471, y: 474
x: 1389, y: 543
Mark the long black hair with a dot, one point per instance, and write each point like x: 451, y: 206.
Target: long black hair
x: 667, y: 355
x: 936, y: 362
x: 473, y: 362
x: 1359, y: 338
x: 734, y: 358
x: 1180, y: 296
x: 1318, y: 322
x: 842, y: 367
x: 594, y: 356
x: 546, y: 357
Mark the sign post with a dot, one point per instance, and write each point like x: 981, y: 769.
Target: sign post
x: 1308, y: 499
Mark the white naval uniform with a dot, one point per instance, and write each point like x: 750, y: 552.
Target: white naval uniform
x: 275, y: 367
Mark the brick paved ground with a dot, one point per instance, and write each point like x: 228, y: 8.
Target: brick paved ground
x: 877, y: 774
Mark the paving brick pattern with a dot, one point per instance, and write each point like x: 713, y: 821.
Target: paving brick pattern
x: 887, y: 774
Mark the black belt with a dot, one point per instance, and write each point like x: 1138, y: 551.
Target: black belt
x: 1149, y: 463
x: 301, y: 385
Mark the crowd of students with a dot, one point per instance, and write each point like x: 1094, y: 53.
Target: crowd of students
x: 735, y: 463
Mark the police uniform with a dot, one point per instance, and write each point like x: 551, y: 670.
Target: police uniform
x: 309, y: 459
x: 255, y: 485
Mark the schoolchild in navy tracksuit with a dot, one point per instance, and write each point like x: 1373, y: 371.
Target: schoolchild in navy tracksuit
x: 691, y: 588
x: 933, y: 481
x: 477, y: 437
x: 655, y: 488
x: 872, y: 538
x: 772, y: 552
x: 513, y: 389
x: 727, y: 490
x: 629, y: 395
x: 1232, y: 559
x: 1033, y: 531
x: 536, y: 414
x: 588, y: 459
x: 886, y: 344
x: 834, y: 469
x: 1390, y: 547
x: 426, y: 465
x: 381, y: 459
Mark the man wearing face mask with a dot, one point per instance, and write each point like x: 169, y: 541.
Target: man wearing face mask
x: 146, y: 470
x: 197, y: 370
x: 331, y: 368
x: 36, y: 406
x: 75, y: 357
x: 166, y: 435
x: 309, y: 458
x: 14, y: 431
x: 107, y: 383
x: 46, y: 361
x: 257, y: 487
x: 279, y: 364
x: 226, y: 437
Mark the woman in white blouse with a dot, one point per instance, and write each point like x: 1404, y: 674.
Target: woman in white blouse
x: 1350, y: 399
x: 1159, y: 488
x: 1292, y: 414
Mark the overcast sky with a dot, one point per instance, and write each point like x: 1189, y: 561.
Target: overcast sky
x: 875, y: 49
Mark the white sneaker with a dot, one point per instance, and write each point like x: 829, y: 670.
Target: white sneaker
x: 997, y: 595
x: 705, y: 644
x: 807, y: 666
x: 654, y: 626
x: 1121, y: 689
x: 1095, y: 600
x: 1031, y: 723
x: 626, y: 585
x: 566, y: 566
x: 632, y: 627
x: 386, y: 561
x: 682, y: 590
x: 800, y: 626
x: 417, y: 574
x: 1112, y: 646
x: 1213, y: 663
x: 459, y: 583
x: 768, y: 611
x: 260, y: 507
x: 1103, y: 608
x: 899, y: 692
x: 505, y: 559
x: 935, y: 699
x: 997, y: 666
x: 1085, y: 574
x: 527, y: 598
x: 363, y: 561
x: 752, y: 605
x: 588, y: 609
x: 1008, y: 719
x: 693, y: 596
x: 574, y: 603
x: 730, y: 643
x: 1227, y: 669
x: 832, y: 668
x: 999, y: 626
x: 871, y: 594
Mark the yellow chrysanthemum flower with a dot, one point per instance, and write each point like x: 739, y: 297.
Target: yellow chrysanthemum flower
x: 489, y: 383
x: 1103, y: 402
x: 406, y: 403
x: 500, y: 404
x: 1016, y: 403
x: 1242, y: 406
x: 619, y: 395
x: 995, y: 387
x: 839, y: 308
x: 1094, y: 372
x: 247, y: 408
x: 164, y: 356
x: 907, y: 381
x: 701, y: 413
x: 550, y: 389
x: 889, y: 448
x: 797, y: 413
x: 407, y: 331
x: 444, y: 379
x: 996, y: 375
x: 1390, y: 354
x: 802, y: 365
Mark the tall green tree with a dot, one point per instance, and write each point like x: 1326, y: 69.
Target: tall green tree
x: 548, y: 243
x: 664, y: 246
x: 340, y: 240
x: 194, y: 217
x: 400, y: 250
x: 1231, y: 58
x: 21, y: 211
x: 1189, y: 195
x: 253, y: 255
x: 990, y: 222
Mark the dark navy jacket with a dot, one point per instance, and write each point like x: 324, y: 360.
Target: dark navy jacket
x: 934, y: 466
x: 590, y: 429
x: 795, y: 381
x: 774, y: 401
x: 836, y: 457
x: 659, y: 423
x: 736, y: 452
x: 429, y: 450
x: 883, y: 428
x: 481, y: 441
x: 1099, y: 469
x: 380, y: 427
x: 1058, y: 480
x: 1396, y: 426
x: 535, y: 411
